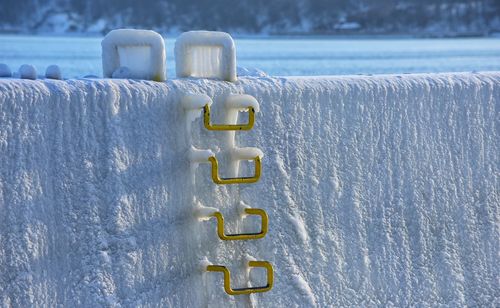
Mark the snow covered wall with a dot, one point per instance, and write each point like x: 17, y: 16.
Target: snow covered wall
x: 380, y: 191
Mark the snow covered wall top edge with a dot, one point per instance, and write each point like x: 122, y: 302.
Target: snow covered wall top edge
x: 259, y: 83
x: 380, y: 191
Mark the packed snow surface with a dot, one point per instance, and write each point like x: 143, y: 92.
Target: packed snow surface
x: 380, y: 191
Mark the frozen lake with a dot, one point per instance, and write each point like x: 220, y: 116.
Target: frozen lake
x: 79, y: 56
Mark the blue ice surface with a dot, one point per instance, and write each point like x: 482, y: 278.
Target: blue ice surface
x: 279, y: 56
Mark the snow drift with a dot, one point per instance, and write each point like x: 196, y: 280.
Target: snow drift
x: 380, y: 191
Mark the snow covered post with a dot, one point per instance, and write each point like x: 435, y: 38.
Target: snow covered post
x: 130, y: 53
x: 205, y: 54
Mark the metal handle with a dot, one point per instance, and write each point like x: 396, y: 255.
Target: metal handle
x: 227, y: 278
x: 242, y: 180
x: 209, y: 126
x: 242, y: 236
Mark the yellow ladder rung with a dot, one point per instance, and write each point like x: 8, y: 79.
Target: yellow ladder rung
x: 227, y: 278
x: 242, y: 180
x: 209, y: 126
x: 243, y: 236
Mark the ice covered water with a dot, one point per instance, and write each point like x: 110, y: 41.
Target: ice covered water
x: 80, y: 56
x: 136, y: 58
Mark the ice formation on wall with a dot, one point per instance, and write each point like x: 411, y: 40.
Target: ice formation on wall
x: 192, y: 104
x: 141, y: 52
x: 205, y: 54
x: 382, y: 191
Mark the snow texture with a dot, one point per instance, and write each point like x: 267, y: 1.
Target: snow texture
x: 27, y: 71
x: 381, y: 191
x: 205, y: 54
x: 53, y: 72
x: 142, y: 52
x: 5, y: 70
x: 250, y: 71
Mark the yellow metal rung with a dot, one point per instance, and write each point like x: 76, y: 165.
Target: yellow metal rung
x: 227, y: 277
x: 243, y: 236
x: 209, y: 126
x: 242, y: 180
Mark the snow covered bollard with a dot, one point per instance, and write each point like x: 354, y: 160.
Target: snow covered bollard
x: 205, y: 54
x: 130, y: 53
x: 27, y: 71
x: 53, y: 72
x: 5, y: 70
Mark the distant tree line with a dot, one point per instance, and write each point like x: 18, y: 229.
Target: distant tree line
x: 260, y: 16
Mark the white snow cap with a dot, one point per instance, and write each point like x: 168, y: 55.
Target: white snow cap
x: 138, y: 53
x: 5, y: 70
x: 247, y: 153
x: 199, y: 156
x: 195, y: 101
x: 203, y: 212
x: 241, y: 102
x: 27, y: 71
x: 205, y: 54
x: 53, y: 72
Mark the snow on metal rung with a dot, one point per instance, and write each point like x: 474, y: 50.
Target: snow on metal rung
x: 242, y: 236
x: 130, y: 53
x: 205, y: 54
x: 210, y: 126
x: 234, y: 103
x: 238, y: 180
x: 227, y: 278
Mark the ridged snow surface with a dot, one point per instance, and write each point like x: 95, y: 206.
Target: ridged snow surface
x: 380, y: 191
